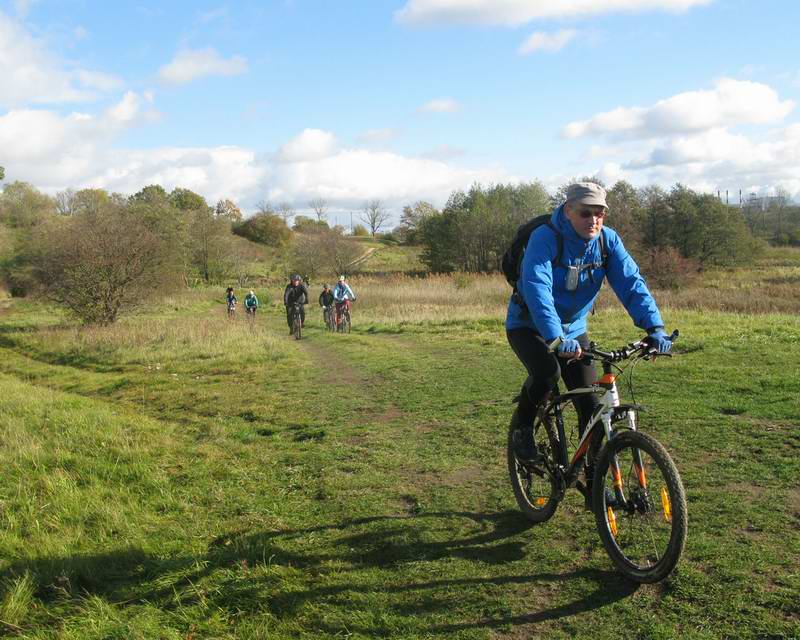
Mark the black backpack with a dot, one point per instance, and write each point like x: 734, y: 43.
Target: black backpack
x: 511, y: 264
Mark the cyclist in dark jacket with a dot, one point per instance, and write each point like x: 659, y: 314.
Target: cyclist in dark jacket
x: 230, y: 298
x: 295, y: 293
x: 558, y: 298
x: 326, y: 297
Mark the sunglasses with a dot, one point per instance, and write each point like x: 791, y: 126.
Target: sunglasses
x: 588, y: 213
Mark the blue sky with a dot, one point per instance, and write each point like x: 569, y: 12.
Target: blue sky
x: 398, y: 100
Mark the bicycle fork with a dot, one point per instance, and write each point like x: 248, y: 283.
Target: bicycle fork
x: 616, y: 472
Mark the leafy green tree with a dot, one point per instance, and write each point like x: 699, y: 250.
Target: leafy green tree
x: 625, y: 213
x: 90, y: 201
x: 23, y: 206
x: 187, y: 200
x: 475, y: 228
x: 655, y: 221
x: 2, y: 174
x: 151, y: 193
x: 411, y: 218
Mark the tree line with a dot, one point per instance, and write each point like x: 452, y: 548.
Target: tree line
x: 98, y: 254
x: 670, y: 232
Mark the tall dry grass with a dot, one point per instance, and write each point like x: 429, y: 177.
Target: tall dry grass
x: 435, y: 298
x: 144, y: 339
x: 770, y: 286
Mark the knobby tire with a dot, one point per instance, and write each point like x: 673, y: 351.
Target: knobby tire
x: 648, y: 544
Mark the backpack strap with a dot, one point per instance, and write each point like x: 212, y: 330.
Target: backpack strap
x: 603, y: 250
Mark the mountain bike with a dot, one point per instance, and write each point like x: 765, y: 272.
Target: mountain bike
x: 329, y: 317
x: 231, y: 310
x: 345, y: 321
x: 296, y: 322
x: 630, y: 481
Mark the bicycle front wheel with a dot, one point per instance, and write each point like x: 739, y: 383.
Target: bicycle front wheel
x: 645, y: 532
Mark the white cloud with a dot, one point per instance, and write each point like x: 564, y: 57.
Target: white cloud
x: 31, y: 75
x: 440, y: 105
x: 353, y: 176
x: 730, y: 103
x: 377, y: 136
x: 691, y: 138
x: 55, y: 151
x: 518, y: 12
x: 550, y: 42
x: 311, y: 144
x: 191, y: 64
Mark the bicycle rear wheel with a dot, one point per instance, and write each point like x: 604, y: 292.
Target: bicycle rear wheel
x: 645, y: 535
x: 534, y: 487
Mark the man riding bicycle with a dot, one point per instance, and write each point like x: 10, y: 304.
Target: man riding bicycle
x: 344, y: 298
x: 562, y: 270
x: 295, y: 293
x: 326, y: 301
x: 251, y: 303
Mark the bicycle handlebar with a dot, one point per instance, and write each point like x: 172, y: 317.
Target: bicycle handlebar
x: 618, y: 355
x: 642, y: 347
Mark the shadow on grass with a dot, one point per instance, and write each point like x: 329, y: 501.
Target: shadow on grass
x: 363, y: 560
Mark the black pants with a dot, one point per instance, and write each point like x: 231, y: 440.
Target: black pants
x: 545, y: 369
x: 289, y: 314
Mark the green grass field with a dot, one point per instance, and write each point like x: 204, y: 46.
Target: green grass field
x: 179, y: 475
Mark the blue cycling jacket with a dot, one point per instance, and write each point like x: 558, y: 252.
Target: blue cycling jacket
x: 557, y: 313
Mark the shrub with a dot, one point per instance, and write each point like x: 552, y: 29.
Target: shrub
x: 264, y: 228
x: 99, y: 265
x: 666, y: 268
x: 360, y: 230
x: 305, y: 224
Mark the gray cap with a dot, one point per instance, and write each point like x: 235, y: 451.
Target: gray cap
x: 587, y: 193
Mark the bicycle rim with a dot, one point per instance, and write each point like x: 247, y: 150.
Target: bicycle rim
x: 645, y: 536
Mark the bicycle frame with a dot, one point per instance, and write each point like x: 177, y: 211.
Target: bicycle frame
x: 604, y: 416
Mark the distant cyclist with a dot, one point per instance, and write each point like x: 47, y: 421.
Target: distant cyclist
x: 295, y: 293
x: 326, y: 301
x: 344, y: 298
x: 251, y: 303
x: 230, y: 300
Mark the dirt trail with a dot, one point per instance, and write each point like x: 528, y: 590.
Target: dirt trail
x: 362, y: 258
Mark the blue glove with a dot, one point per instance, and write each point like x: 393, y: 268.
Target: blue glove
x: 659, y: 340
x: 568, y: 348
